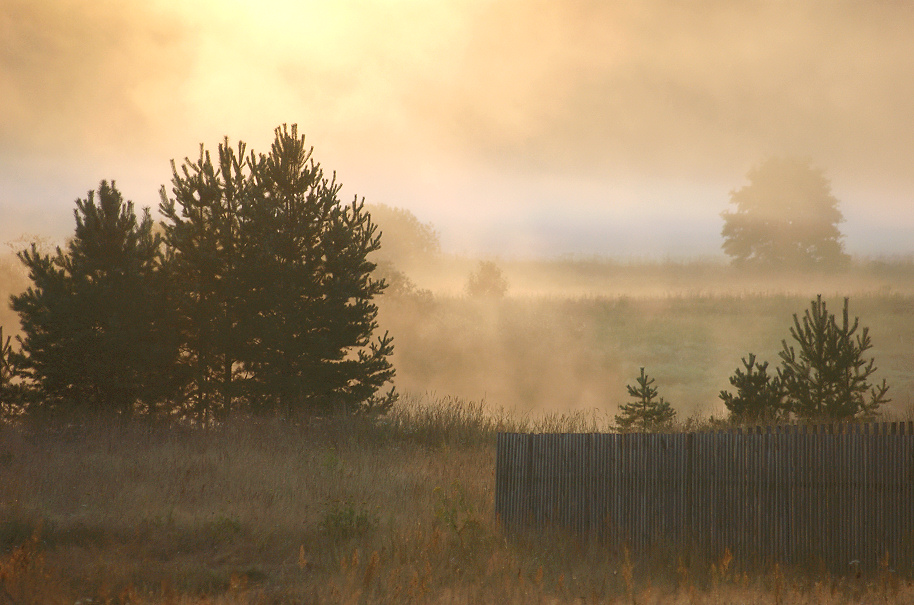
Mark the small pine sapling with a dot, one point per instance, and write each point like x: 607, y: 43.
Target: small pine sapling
x: 758, y: 394
x: 826, y: 376
x: 7, y: 371
x: 648, y: 412
x: 6, y: 360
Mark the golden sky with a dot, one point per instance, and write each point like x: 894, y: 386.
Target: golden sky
x: 516, y: 126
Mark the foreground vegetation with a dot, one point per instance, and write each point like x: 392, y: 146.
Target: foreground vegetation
x: 398, y: 509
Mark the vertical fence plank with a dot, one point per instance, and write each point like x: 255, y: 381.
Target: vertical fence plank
x: 829, y: 479
x: 869, y: 452
x: 879, y: 492
x: 801, y: 496
x: 907, y: 498
x: 859, y: 491
x: 840, y: 519
x: 894, y: 508
x: 627, y: 493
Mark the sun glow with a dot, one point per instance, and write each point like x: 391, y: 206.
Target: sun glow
x: 331, y: 65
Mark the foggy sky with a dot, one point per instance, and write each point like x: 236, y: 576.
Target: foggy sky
x: 516, y: 126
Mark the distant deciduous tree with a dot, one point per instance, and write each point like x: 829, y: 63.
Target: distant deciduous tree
x: 94, y: 336
x: 407, y: 240
x: 785, y: 217
x: 487, y: 281
x: 647, y: 412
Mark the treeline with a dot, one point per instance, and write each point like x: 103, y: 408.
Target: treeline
x: 255, y: 293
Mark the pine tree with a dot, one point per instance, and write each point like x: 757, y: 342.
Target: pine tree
x: 12, y: 392
x: 645, y: 414
x: 274, y: 287
x: 94, y: 335
x: 827, y: 375
x: 202, y: 233
x: 758, y: 394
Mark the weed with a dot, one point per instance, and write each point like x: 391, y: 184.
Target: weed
x: 25, y: 577
x: 346, y: 519
x: 456, y: 512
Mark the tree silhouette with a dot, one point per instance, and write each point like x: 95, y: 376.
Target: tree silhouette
x: 273, y: 285
x: 95, y: 338
x: 758, y: 394
x: 646, y: 413
x: 785, y: 217
x: 407, y: 240
x: 487, y: 281
x: 826, y: 376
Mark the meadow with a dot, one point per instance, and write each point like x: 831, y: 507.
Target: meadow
x: 571, y: 334
x: 391, y: 510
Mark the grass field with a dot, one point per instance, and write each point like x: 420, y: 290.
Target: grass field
x: 550, y: 354
x: 327, y: 511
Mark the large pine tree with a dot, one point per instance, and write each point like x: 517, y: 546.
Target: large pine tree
x: 273, y: 285
x: 94, y: 338
x: 202, y: 234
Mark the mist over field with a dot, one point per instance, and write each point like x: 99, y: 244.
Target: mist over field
x: 566, y: 193
x: 570, y: 335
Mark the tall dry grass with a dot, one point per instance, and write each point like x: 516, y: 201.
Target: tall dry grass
x: 335, y: 510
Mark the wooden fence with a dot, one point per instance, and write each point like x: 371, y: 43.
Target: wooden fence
x: 826, y: 494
